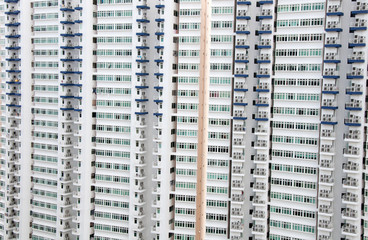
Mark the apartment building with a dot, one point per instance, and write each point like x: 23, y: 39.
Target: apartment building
x: 99, y: 119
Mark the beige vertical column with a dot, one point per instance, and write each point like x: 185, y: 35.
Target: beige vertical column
x: 202, y: 148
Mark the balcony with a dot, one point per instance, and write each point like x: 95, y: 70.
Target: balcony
x: 238, y: 156
x: 263, y: 87
x: 237, y: 226
x: 259, y: 186
x: 361, y: 8
x: 69, y: 58
x: 242, y: 29
x: 14, y: 104
x: 237, y: 184
x: 141, y: 72
x: 261, y: 144
x: 12, y: 23
x: 67, y: 21
x: 161, y: 4
x: 330, y: 89
x: 331, y: 73
x: 357, y: 57
x: 331, y: 58
x: 351, y: 151
x: 143, y: 18
x: 238, y: 142
x: 13, y: 34
x: 242, y: 15
x: 260, y: 172
x: 156, y: 203
x: 261, y: 130
x: 14, y: 58
x: 357, y: 73
x: 329, y: 104
x: 354, y: 105
x: 142, y: 4
x: 261, y: 116
x: 241, y: 72
x: 241, y: 58
x: 155, y: 216
x: 13, y: 46
x: 14, y: 69
x: 358, y: 41
x: 140, y: 201
x: 67, y: 7
x: 70, y: 46
x: 66, y: 179
x: 240, y: 87
x: 258, y: 201
x: 350, y: 167
x: 237, y: 170
x: 353, y: 136
x: 327, y: 133
x: 332, y: 42
x: 258, y: 215
x: 243, y: 2
x: 349, y: 229
x: 349, y: 198
x: 265, y: 2
x: 239, y: 101
x: 327, y: 149
x: 334, y: 10
x: 239, y: 128
x: 325, y: 224
x: 266, y: 14
x: 326, y: 194
x: 264, y: 58
x: 350, y: 182
x: 260, y: 158
x: 12, y: 11
x: 325, y: 209
x: 262, y: 102
x: 242, y: 43
x: 324, y: 237
x: 158, y: 112
x: 265, y: 29
x: 141, y: 98
x: 141, y: 84
x: 326, y: 179
x: 258, y: 229
x: 143, y: 45
x: 333, y: 26
x: 70, y: 70
x: 68, y: 33
x: 237, y: 212
x: 139, y: 187
x: 143, y: 32
x: 263, y: 73
x: 350, y: 214
x: 328, y: 119
x: 354, y: 89
x: 359, y: 25
x: 65, y: 227
x: 264, y: 44
x: 237, y: 198
x: 239, y: 115
x: 353, y: 121
x: 160, y: 31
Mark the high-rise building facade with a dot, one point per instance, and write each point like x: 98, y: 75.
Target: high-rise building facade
x: 99, y: 119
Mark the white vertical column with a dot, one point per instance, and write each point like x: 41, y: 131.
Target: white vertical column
x: 26, y: 126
